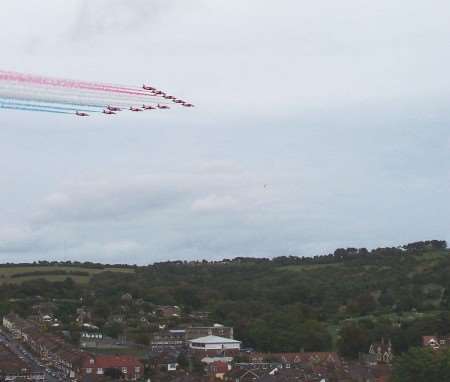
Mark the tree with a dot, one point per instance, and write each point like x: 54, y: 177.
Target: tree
x: 353, y: 339
x: 419, y: 364
x: 183, y: 361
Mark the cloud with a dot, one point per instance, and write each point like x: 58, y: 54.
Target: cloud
x: 110, y: 199
x: 346, y: 123
x: 15, y: 239
x: 100, y: 17
x: 214, y: 203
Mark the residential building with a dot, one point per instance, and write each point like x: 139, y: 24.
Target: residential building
x: 382, y: 350
x: 436, y: 342
x: 169, y: 311
x: 292, y: 360
x: 13, y: 368
x: 218, y: 369
x: 130, y: 367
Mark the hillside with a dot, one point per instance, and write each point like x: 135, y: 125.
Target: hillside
x: 22, y: 273
x: 282, y: 304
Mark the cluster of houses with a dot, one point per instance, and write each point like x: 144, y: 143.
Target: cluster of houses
x: 71, y: 362
x: 13, y: 368
x: 214, y: 348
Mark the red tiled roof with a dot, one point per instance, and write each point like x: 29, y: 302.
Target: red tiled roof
x: 112, y: 361
x: 302, y: 357
x: 426, y: 340
x: 218, y: 367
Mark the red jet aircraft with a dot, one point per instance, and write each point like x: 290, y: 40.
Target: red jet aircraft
x: 187, y: 105
x: 148, y: 107
x: 145, y: 87
x: 162, y: 106
x: 113, y: 108
x: 108, y: 112
x: 81, y: 114
x: 135, y: 108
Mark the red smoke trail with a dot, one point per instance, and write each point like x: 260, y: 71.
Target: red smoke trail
x: 109, y: 86
x: 7, y: 76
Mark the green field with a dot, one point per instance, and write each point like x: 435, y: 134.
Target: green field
x: 7, y: 274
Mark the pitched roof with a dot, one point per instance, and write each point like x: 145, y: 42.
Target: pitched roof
x: 302, y: 357
x: 214, y: 340
x: 112, y: 361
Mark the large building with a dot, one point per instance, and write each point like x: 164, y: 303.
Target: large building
x: 214, y: 345
x: 203, y: 331
x: 168, y: 340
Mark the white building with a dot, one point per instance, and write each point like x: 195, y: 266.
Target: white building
x: 213, y: 345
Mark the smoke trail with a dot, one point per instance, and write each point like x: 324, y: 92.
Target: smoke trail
x: 76, y: 94
x: 65, y: 100
x: 66, y: 84
x: 87, y: 83
x: 8, y: 102
x: 38, y: 92
x: 33, y: 109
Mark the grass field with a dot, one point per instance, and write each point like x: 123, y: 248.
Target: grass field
x: 7, y: 273
x: 307, y: 267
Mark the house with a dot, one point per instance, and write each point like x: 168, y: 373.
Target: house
x: 199, y: 315
x: 214, y: 345
x: 130, y: 367
x: 90, y: 336
x: 363, y: 373
x: 218, y: 369
x: 382, y: 350
x: 242, y: 375
x: 167, y: 361
x: 292, y: 360
x: 12, y: 367
x: 169, y: 311
x: 436, y: 342
x: 70, y: 361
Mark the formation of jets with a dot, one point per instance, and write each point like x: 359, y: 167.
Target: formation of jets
x: 112, y: 110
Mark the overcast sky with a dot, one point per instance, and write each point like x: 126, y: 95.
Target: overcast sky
x: 319, y: 124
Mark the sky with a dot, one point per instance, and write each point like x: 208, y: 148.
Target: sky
x: 317, y: 125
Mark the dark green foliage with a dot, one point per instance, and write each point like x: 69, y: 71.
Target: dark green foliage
x: 419, y: 365
x: 353, y: 339
x: 285, y: 304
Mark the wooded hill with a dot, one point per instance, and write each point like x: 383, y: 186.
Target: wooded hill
x: 344, y: 299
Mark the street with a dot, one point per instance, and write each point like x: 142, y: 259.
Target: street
x: 35, y: 364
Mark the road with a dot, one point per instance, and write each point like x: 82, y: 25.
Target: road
x: 34, y: 363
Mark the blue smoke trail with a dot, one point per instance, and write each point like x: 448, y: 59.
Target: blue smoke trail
x: 40, y: 106
x: 24, y: 98
x: 2, y: 106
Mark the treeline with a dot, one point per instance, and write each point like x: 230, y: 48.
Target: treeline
x: 338, y: 256
x: 86, y: 264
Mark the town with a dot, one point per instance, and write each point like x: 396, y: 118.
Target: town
x: 36, y: 349
x: 232, y: 320
x: 32, y: 350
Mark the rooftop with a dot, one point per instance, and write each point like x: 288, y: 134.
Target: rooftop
x: 214, y: 340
